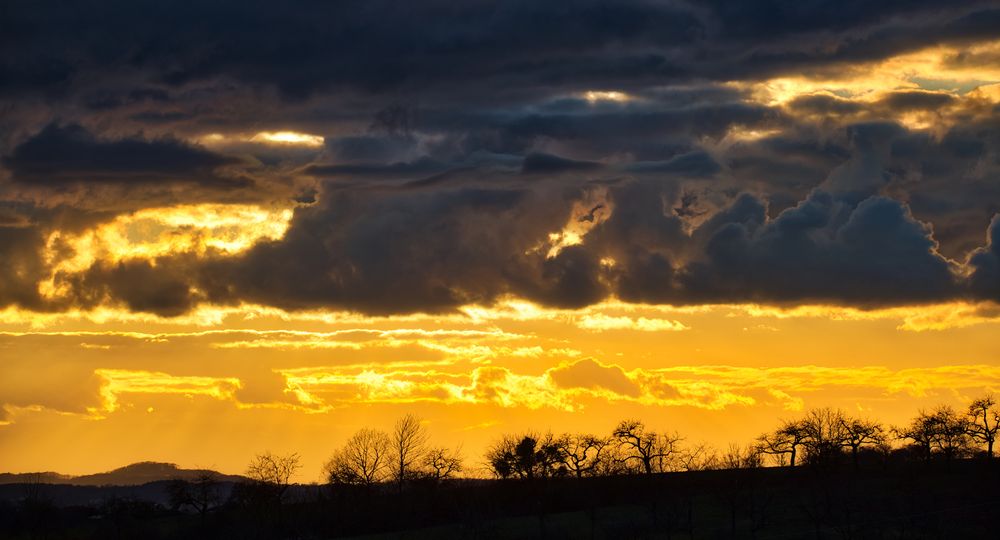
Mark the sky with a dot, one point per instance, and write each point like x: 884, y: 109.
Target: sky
x: 230, y: 227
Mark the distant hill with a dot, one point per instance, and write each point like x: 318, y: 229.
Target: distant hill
x: 47, y: 477
x: 135, y: 474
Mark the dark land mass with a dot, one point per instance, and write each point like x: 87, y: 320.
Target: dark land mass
x: 135, y: 474
x: 940, y: 499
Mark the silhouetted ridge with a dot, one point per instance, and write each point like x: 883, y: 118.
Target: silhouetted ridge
x: 135, y: 474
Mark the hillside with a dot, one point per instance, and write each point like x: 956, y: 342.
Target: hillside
x: 135, y: 474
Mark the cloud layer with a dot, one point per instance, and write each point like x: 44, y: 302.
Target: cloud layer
x: 428, y: 157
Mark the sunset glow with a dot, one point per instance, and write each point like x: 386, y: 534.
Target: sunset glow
x: 209, y: 254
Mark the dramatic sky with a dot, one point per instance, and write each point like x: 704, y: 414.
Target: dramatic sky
x: 236, y: 226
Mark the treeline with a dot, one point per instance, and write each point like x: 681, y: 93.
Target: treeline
x: 374, y: 458
x: 752, y: 486
x: 824, y: 474
x: 821, y: 436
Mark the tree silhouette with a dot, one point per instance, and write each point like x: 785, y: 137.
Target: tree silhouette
x: 952, y: 438
x: 409, y: 442
x: 365, y: 459
x: 984, y: 422
x: 824, y: 435
x: 786, y: 440
x: 650, y: 449
x: 921, y: 431
x: 202, y: 494
x: 441, y: 463
x: 500, y: 457
x: 858, y: 433
x: 524, y: 457
x: 269, y: 476
x: 740, y: 457
x: 273, y: 472
x: 942, y: 431
x: 581, y: 454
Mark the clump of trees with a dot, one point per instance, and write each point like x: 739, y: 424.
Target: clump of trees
x: 371, y: 457
x: 822, y: 436
x: 825, y: 435
x: 631, y: 448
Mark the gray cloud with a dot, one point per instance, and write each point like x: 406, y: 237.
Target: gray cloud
x: 458, y: 138
x: 71, y: 154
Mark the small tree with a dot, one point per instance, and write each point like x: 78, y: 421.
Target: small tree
x: 525, y: 457
x: 824, y: 435
x: 409, y: 445
x: 984, y: 422
x: 651, y: 450
x: 365, y: 460
x: 942, y: 431
x: 441, y: 463
x: 858, y: 433
x: 269, y: 476
x: 699, y: 457
x: 921, y: 431
x: 273, y: 472
x: 202, y: 494
x: 786, y: 440
x: 581, y: 454
x: 740, y: 457
x: 952, y: 437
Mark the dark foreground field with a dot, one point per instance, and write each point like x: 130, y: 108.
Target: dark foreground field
x: 959, y: 499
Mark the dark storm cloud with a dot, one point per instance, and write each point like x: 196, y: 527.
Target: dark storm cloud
x: 986, y: 265
x: 697, y: 164
x: 380, y: 251
x: 538, y: 163
x: 154, y: 287
x: 21, y: 265
x: 71, y: 154
x: 399, y: 170
x: 380, y: 45
x: 461, y: 138
x: 909, y: 100
x: 824, y: 251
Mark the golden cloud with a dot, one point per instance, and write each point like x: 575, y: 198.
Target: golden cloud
x: 223, y: 229
x: 116, y: 382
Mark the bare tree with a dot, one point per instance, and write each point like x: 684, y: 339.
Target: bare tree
x: 942, y: 431
x: 741, y: 457
x: 952, y: 439
x: 613, y: 461
x: 984, y: 422
x: 650, y: 449
x: 857, y: 433
x: 273, y: 471
x: 786, y: 440
x: 409, y: 444
x: 581, y: 454
x: 364, y: 460
x: 824, y: 435
x: 442, y: 463
x: 921, y: 431
x: 699, y: 457
x: 202, y: 494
